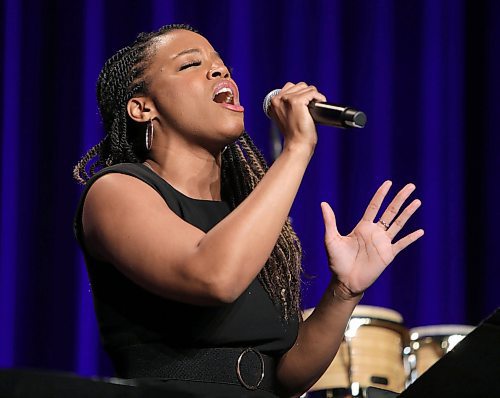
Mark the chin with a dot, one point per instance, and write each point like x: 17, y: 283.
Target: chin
x: 233, y: 130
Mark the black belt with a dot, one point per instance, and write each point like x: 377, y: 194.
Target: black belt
x: 245, y: 367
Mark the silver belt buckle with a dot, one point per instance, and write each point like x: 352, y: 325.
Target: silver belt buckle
x: 238, y: 370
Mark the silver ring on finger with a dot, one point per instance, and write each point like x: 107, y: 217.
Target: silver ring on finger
x: 386, y: 225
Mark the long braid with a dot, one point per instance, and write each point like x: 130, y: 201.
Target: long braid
x: 243, y: 166
x: 79, y: 172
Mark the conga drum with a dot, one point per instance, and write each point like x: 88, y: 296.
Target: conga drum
x: 428, y: 344
x: 371, y: 354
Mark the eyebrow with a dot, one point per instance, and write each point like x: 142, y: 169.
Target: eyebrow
x: 194, y: 50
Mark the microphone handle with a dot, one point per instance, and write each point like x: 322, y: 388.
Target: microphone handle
x: 336, y: 116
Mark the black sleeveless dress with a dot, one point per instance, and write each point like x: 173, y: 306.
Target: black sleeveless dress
x: 141, y: 331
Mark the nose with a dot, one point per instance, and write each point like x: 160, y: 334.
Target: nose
x: 218, y: 71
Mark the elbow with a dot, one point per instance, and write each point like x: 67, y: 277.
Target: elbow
x: 221, y: 283
x: 223, y: 286
x: 224, y: 291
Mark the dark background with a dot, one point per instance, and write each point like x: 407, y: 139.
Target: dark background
x: 424, y: 72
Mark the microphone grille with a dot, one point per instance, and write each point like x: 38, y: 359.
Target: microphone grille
x: 267, y: 101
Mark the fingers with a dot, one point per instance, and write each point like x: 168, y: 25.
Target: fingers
x: 289, y: 108
x: 374, y: 206
x: 290, y: 87
x: 287, y: 86
x: 393, y: 209
x: 303, y: 96
x: 399, y: 223
x: 403, y: 243
x: 331, y: 231
x: 300, y: 92
x: 390, y: 221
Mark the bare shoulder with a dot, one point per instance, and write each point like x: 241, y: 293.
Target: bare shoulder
x: 128, y: 224
x: 113, y: 202
x: 119, y: 211
x: 116, y: 188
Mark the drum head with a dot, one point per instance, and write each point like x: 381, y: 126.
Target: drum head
x: 439, y: 330
x: 369, y: 311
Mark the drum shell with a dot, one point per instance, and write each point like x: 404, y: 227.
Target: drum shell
x: 371, y: 353
x: 428, y: 344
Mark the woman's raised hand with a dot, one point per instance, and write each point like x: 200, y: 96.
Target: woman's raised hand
x: 358, y: 258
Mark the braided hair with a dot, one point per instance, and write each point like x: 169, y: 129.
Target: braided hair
x: 243, y: 165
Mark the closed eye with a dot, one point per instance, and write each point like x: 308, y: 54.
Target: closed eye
x: 190, y: 64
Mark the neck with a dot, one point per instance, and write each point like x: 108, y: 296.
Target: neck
x: 194, y: 172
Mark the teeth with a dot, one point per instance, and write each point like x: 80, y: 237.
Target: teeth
x: 224, y: 90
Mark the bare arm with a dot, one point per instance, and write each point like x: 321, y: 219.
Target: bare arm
x: 356, y: 261
x: 318, y: 341
x: 127, y: 223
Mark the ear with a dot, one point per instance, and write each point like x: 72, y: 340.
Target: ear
x: 140, y: 109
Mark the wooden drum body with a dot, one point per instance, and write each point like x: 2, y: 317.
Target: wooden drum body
x: 371, y: 353
x: 428, y: 344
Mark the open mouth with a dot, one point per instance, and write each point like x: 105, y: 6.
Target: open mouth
x: 224, y: 95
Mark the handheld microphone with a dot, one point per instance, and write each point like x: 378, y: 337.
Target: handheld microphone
x: 326, y: 113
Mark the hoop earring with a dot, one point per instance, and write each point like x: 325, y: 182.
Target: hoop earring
x: 149, y: 135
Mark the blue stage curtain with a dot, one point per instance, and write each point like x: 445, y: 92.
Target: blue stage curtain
x: 424, y: 72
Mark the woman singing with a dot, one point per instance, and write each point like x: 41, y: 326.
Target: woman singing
x: 194, y: 266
